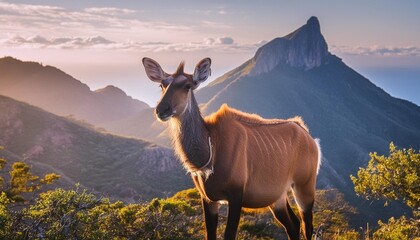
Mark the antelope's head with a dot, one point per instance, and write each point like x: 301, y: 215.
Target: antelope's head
x: 176, y: 88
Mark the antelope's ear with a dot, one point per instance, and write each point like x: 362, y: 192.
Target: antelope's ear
x: 202, y: 71
x: 154, y: 70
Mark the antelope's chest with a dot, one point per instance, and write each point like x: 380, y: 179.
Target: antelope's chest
x: 208, y: 190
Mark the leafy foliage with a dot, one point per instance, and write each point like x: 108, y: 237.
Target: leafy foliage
x: 394, y: 177
x: 56, y: 213
x: 77, y: 214
x: 331, y: 215
x: 401, y: 228
x: 4, y: 214
x: 22, y: 180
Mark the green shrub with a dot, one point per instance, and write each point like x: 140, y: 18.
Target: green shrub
x: 402, y: 229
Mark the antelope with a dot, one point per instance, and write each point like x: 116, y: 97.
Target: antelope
x: 237, y: 157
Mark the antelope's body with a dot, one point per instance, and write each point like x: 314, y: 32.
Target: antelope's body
x: 240, y: 158
x: 262, y: 157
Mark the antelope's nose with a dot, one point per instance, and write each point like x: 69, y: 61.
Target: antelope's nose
x: 164, y: 112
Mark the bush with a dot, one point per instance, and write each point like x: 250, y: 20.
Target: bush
x: 402, y: 228
x: 4, y: 215
x: 77, y: 214
x: 393, y: 177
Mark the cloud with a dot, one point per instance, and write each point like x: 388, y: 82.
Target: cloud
x: 219, y: 41
x: 212, y: 24
x: 376, y: 51
x: 220, y: 44
x: 222, y: 12
x: 24, y: 18
x: 42, y: 26
x: 225, y: 40
x: 28, y: 9
x: 60, y: 43
x: 225, y: 44
x: 110, y: 11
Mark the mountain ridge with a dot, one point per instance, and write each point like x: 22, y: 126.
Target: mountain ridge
x: 58, y: 92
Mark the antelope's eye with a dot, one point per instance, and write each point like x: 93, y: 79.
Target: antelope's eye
x: 188, y: 86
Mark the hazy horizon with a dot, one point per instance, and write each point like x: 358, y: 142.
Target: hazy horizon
x: 102, y: 43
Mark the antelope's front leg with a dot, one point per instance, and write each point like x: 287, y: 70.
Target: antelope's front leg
x: 211, y: 215
x: 235, y: 207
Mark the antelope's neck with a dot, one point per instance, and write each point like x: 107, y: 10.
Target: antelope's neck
x: 191, y: 137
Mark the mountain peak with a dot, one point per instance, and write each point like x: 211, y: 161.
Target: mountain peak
x: 305, y: 48
x: 111, y: 90
x: 314, y: 23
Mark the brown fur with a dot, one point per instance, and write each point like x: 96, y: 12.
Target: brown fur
x: 264, y: 158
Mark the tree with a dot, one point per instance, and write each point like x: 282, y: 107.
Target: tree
x: 396, y: 177
x: 22, y: 180
x: 18, y: 180
x: 393, y: 177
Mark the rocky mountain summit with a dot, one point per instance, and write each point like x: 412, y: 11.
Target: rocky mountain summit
x: 304, y: 48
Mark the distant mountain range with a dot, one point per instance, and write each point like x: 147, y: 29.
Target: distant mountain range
x: 121, y: 168
x: 59, y: 93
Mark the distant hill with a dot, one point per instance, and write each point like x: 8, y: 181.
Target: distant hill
x: 122, y: 168
x: 57, y: 92
x: 142, y: 125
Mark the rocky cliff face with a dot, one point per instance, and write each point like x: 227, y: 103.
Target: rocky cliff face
x: 304, y: 48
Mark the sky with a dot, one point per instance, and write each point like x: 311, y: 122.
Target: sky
x: 102, y: 42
